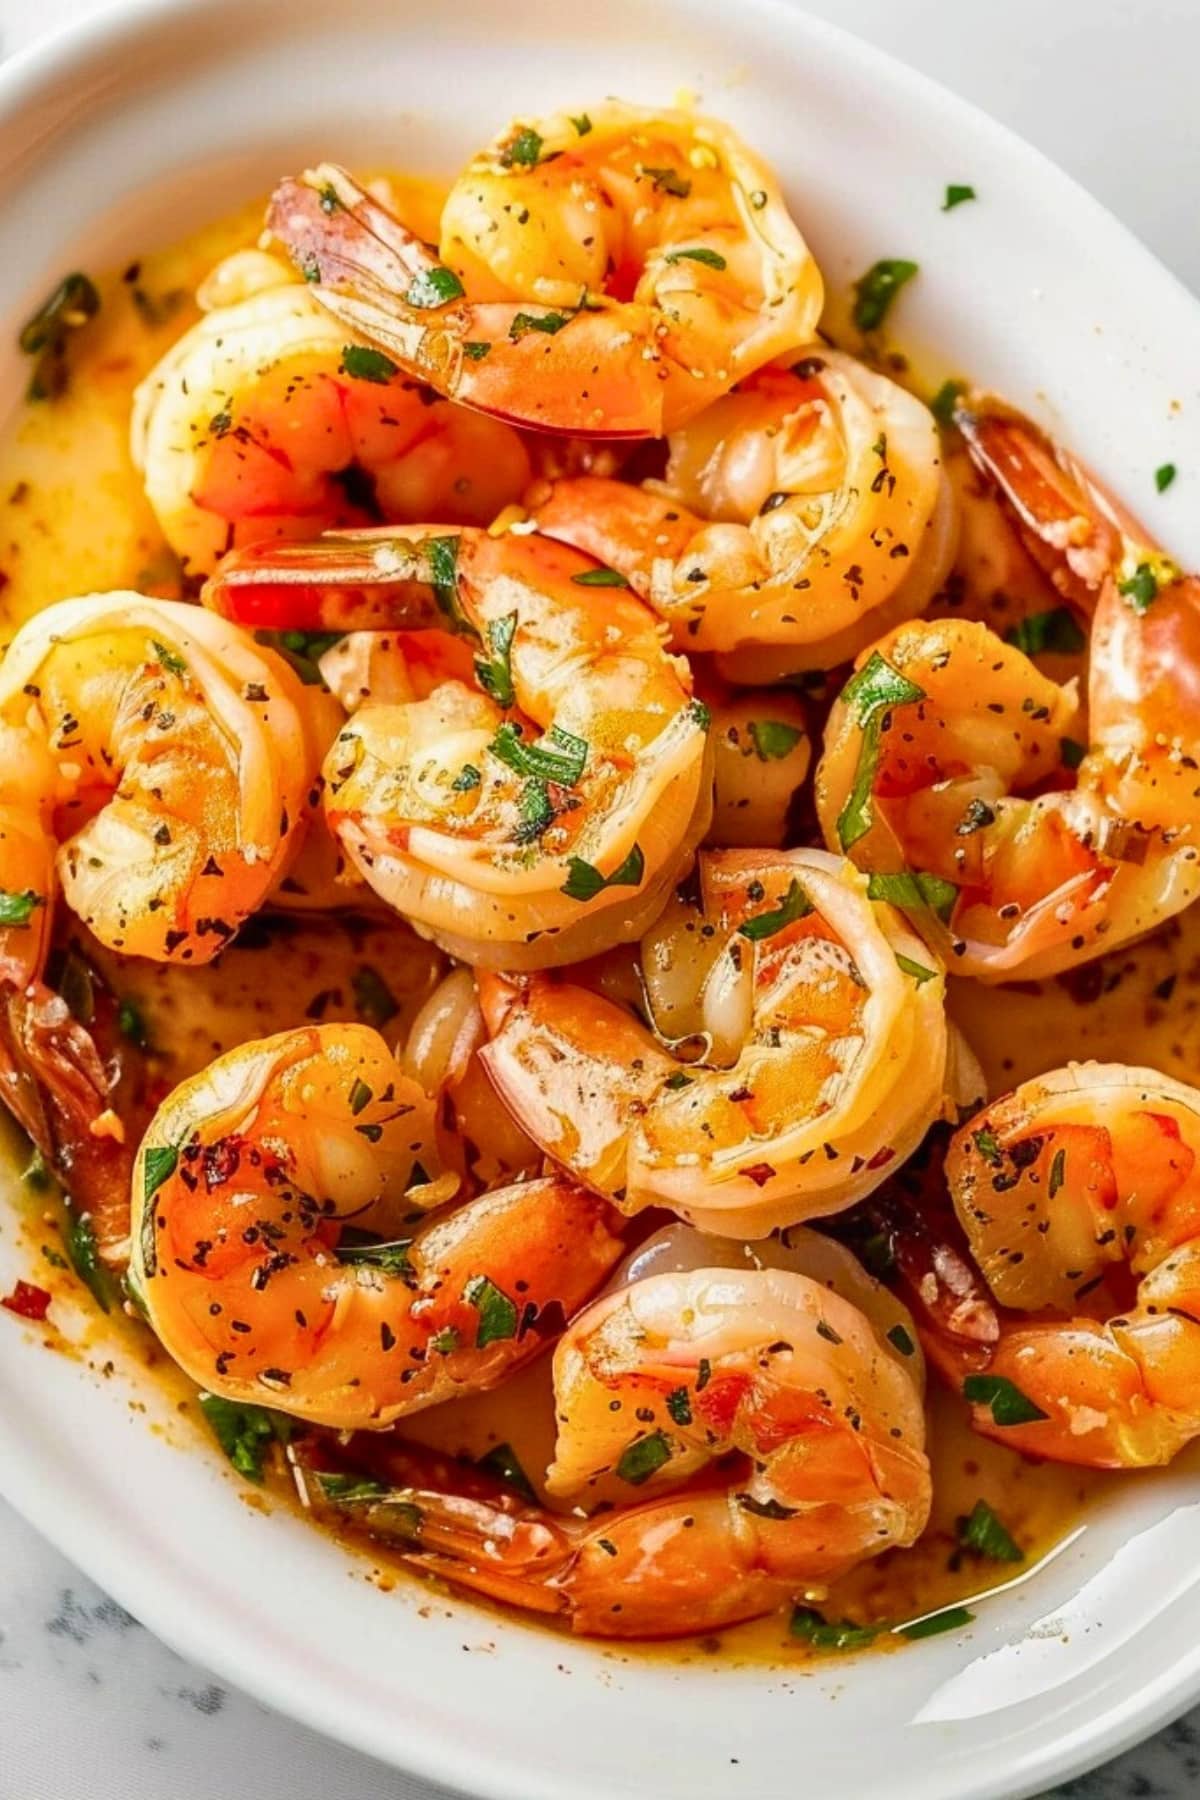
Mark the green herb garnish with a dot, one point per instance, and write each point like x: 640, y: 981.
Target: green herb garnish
x: 641, y: 1459
x: 1009, y: 1406
x: 700, y: 254
x: 560, y: 756
x: 1055, y: 630
x: 497, y: 1313
x: 433, y: 288
x: 876, y: 291
x: 584, y: 881
x: 494, y: 672
x: 244, y: 1432
x: 956, y: 193
x: 984, y: 1533
x: 914, y: 888
x: 870, y: 694
x: 362, y: 363
x: 793, y: 905
x: 774, y: 740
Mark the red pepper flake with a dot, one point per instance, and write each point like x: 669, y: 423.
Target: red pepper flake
x: 758, y: 1173
x: 27, y: 1301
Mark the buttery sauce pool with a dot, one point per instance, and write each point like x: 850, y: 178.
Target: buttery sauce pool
x: 74, y: 520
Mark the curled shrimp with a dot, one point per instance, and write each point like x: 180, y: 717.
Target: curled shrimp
x: 816, y: 1023
x: 610, y: 274
x: 1079, y: 1195
x: 274, y: 1195
x: 947, y: 774
x: 171, y: 759
x: 261, y: 422
x: 504, y: 846
x: 798, y: 1370
x: 1144, y: 673
x: 799, y: 518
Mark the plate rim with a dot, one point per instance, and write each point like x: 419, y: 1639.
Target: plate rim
x: 106, y: 1548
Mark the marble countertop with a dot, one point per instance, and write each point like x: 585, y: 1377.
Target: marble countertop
x: 94, y: 1708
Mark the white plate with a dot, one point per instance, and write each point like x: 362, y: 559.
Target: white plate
x: 128, y: 130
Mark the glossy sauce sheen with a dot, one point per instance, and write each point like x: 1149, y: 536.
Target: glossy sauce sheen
x: 73, y: 519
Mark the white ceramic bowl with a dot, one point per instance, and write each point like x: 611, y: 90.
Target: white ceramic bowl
x: 151, y: 117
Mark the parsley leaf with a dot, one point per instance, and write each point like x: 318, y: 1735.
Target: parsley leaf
x: 870, y: 694
x: 584, y: 881
x: 17, y: 909
x: 773, y: 739
x: 497, y: 1313
x: 641, y: 1459
x: 494, y: 672
x: 876, y: 291
x: 701, y: 254
x: 434, y: 287
x: 810, y: 1627
x: 523, y: 150
x: 793, y: 905
x: 914, y: 888
x: 956, y: 193
x: 1009, y: 1406
x: 362, y: 363
x: 244, y: 1432
x: 984, y: 1533
x: 1164, y: 475
x: 560, y: 756
x: 504, y: 1463
x: 1054, y: 630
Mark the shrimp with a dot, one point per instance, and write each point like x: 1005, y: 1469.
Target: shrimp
x: 1144, y: 678
x: 818, y: 1026
x: 761, y: 753
x: 947, y: 773
x: 1079, y: 1194
x: 798, y: 1368
x: 262, y: 421
x: 269, y: 1195
x: 172, y: 760
x: 610, y: 274
x: 799, y: 517
x: 506, y: 848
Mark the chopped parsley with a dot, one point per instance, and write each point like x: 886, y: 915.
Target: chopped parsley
x: 560, y: 756
x: 74, y: 301
x: 494, y: 672
x: 914, y: 888
x: 956, y: 193
x: 1055, y: 630
x: 643, y: 1458
x: 918, y: 971
x: 497, y: 1313
x: 245, y: 1433
x: 1009, y: 1406
x: 158, y: 1165
x: 951, y: 1619
x: 170, y: 660
x: 84, y: 1256
x: 434, y: 287
x: 1058, y: 1173
x: 18, y: 908
x: 388, y: 1255
x: 945, y: 401
x: 374, y: 1000
x: 810, y: 1627
x: 131, y: 1025
x: 584, y: 881
x: 362, y: 363
x: 523, y: 323
x: 679, y: 1405
x: 669, y: 181
x: 346, y: 1489
x: 793, y: 905
x: 987, y: 1535
x: 523, y: 150
x: 505, y: 1465
x: 870, y: 694
x: 1164, y: 475
x: 772, y: 739
x: 599, y: 578
x: 581, y: 123
x: 876, y: 291
x: 901, y: 1340
x: 700, y: 254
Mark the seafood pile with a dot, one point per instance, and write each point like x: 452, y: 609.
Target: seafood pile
x: 690, y: 712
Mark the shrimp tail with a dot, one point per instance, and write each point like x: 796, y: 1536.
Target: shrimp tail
x: 367, y: 580
x: 387, y: 287
x: 56, y: 1085
x: 447, y: 1518
x: 1070, y: 526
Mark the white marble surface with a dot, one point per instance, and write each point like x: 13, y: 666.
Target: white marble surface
x: 91, y: 1706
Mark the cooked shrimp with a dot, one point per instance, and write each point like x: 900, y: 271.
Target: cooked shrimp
x: 610, y: 274
x: 802, y: 1370
x: 947, y: 774
x: 800, y: 517
x: 761, y: 752
x: 818, y: 1021
x: 505, y: 847
x: 1079, y: 1194
x: 245, y: 1188
x: 1144, y: 678
x: 171, y: 758
x: 262, y: 421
